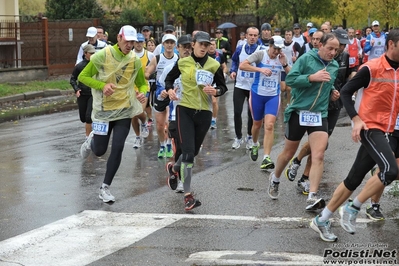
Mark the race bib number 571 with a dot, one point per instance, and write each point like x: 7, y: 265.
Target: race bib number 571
x: 310, y: 119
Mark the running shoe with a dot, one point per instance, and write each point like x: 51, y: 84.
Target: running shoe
x: 180, y: 188
x: 253, y: 154
x: 161, y: 152
x: 315, y: 203
x: 105, y: 194
x: 303, y: 186
x: 267, y: 163
x: 374, y: 212
x: 85, y: 149
x: 249, y: 142
x: 137, y: 143
x: 324, y: 229
x: 273, y: 188
x: 237, y: 143
x: 172, y: 176
x: 348, y: 218
x: 144, y: 130
x: 190, y: 202
x: 292, y: 170
x: 169, y: 151
x: 213, y: 124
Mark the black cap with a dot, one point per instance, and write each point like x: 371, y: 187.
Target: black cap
x: 169, y: 28
x: 266, y: 26
x: 342, y: 36
x: 202, y: 36
x: 296, y: 26
x: 146, y: 28
x: 277, y: 30
x: 184, y: 39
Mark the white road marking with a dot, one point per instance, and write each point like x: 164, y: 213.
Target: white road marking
x: 97, y: 234
x: 232, y: 257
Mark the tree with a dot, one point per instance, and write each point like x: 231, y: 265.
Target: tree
x: 31, y: 7
x: 73, y: 9
x: 298, y: 9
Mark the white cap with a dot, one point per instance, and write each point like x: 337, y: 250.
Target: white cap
x: 310, y: 24
x: 375, y: 23
x: 169, y: 37
x: 278, y: 41
x: 128, y: 33
x: 91, y: 32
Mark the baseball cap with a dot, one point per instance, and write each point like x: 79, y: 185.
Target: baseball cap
x: 277, y: 30
x: 312, y: 30
x: 167, y: 37
x: 184, y: 39
x: 202, y: 36
x: 310, y: 24
x: 266, y: 26
x: 296, y: 26
x: 277, y: 42
x: 128, y: 33
x: 169, y: 28
x: 140, y: 37
x: 358, y: 32
x: 342, y: 36
x: 91, y: 32
x: 375, y: 23
x: 89, y: 49
x: 146, y: 28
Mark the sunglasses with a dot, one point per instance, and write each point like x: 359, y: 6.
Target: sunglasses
x: 218, y: 32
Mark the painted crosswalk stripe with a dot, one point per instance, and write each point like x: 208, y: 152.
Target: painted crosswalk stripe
x: 96, y: 234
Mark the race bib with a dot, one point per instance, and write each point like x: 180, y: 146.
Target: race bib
x: 269, y: 83
x: 247, y: 75
x: 379, y: 51
x: 397, y: 123
x: 310, y: 119
x: 100, y: 128
x: 352, y: 60
x: 203, y: 77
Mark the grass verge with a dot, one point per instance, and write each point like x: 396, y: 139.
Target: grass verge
x: 8, y: 89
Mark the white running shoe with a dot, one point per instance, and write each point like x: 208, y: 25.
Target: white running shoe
x: 85, y: 149
x: 106, y: 195
x: 137, y: 143
x: 144, y: 130
x: 237, y: 143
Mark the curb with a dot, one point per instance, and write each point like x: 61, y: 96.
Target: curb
x: 34, y: 95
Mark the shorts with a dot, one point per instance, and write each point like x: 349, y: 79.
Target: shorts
x: 160, y: 106
x: 264, y: 105
x: 294, y: 131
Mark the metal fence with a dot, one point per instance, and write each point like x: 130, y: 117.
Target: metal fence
x: 54, y: 44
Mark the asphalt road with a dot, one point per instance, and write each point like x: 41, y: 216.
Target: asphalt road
x: 50, y: 213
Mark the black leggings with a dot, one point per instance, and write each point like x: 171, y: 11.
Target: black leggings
x: 85, y: 104
x: 99, y: 145
x: 375, y: 148
x: 239, y: 96
x: 172, y: 131
x: 192, y: 126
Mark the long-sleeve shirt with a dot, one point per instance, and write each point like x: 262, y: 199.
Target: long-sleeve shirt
x: 249, y: 49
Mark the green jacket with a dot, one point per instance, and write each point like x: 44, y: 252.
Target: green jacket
x: 304, y: 94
